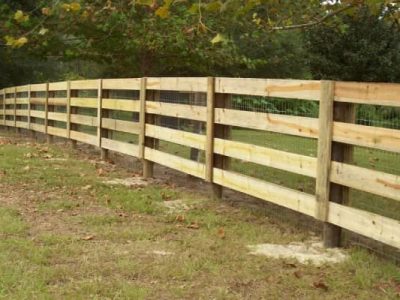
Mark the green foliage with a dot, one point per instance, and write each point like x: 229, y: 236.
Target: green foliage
x: 365, y: 47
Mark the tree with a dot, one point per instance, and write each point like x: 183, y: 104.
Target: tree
x: 366, y: 49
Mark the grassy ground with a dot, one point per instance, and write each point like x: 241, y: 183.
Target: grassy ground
x: 66, y: 234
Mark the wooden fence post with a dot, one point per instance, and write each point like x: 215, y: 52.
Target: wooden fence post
x: 99, y: 114
x: 4, y: 107
x: 15, y: 109
x: 50, y: 108
x: 322, y: 188
x: 210, y: 130
x: 342, y: 112
x: 327, y: 151
x: 104, y: 132
x: 148, y: 166
x: 222, y: 132
x: 72, y: 110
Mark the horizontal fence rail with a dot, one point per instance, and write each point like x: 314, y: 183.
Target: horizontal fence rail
x: 137, y: 116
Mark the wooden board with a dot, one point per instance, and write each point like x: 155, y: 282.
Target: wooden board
x: 9, y: 123
x: 22, y: 88
x: 83, y: 137
x: 182, y: 84
x: 367, y: 136
x: 119, y: 125
x: 175, y: 162
x: 121, y: 84
x: 295, y: 89
x: 180, y: 137
x: 56, y: 116
x: 58, y: 101
x: 9, y: 112
x: 38, y: 114
x: 9, y: 90
x: 184, y: 111
x: 39, y: 101
x: 83, y: 120
x: 270, y: 192
x: 121, y: 104
x: 9, y: 101
x: 84, y: 102
x: 41, y: 87
x: 375, y: 182
x: 295, y: 163
x: 22, y: 101
x: 58, y: 86
x: 57, y: 131
x: 121, y: 147
x: 21, y: 112
x: 374, y: 226
x: 37, y: 127
x: 368, y: 93
x: 300, y: 126
x: 84, y: 84
x: 20, y: 124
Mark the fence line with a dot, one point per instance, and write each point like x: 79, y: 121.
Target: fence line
x: 87, y: 111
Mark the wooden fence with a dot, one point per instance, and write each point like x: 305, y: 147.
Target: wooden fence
x: 55, y: 109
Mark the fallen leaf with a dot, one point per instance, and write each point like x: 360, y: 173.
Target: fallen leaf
x: 193, y: 226
x: 87, y: 187
x: 27, y: 168
x: 320, y: 285
x: 180, y: 218
x: 297, y: 274
x: 88, y: 238
x: 221, y: 233
x: 100, y: 172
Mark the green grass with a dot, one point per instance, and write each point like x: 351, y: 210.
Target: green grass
x: 66, y: 234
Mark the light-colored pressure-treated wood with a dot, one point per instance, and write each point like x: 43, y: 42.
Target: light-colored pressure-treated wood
x: 125, y: 148
x: 365, y: 223
x: 322, y: 188
x: 83, y: 120
x: 368, y: 93
x: 38, y: 114
x: 183, y: 84
x: 57, y: 131
x: 297, y: 89
x: 209, y: 153
x: 58, y: 86
x: 121, y: 84
x: 175, y: 162
x: 300, y: 126
x: 142, y: 120
x: 84, y: 84
x: 56, y: 116
x: 367, y: 136
x: 84, y: 102
x: 119, y: 125
x: 274, y: 193
x: 291, y: 162
x: 372, y: 181
x: 192, y: 112
x: 121, y: 104
x: 83, y: 137
x: 180, y: 137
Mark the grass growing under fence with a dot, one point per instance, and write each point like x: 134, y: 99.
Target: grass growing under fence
x: 66, y: 234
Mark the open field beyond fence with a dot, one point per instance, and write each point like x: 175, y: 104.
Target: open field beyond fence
x: 329, y: 150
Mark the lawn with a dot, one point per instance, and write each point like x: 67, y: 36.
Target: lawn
x: 64, y: 233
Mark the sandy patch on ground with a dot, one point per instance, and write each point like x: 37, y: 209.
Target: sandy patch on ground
x: 309, y: 252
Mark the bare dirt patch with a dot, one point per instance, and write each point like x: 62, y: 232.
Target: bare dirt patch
x: 311, y: 252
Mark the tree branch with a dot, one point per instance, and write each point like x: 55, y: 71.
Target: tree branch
x: 314, y: 23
